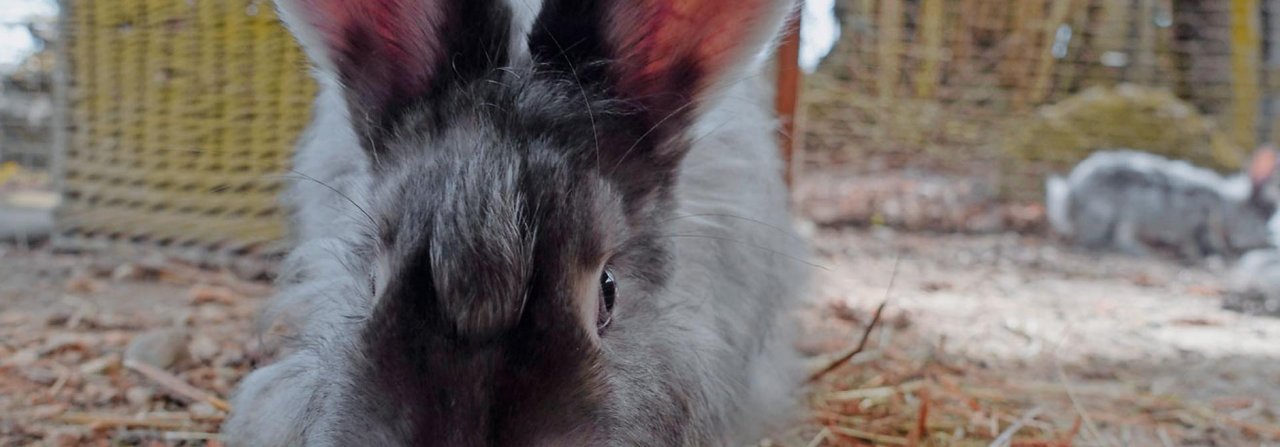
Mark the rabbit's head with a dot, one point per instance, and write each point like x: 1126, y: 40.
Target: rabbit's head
x: 521, y: 174
x: 1265, y: 193
x: 1251, y: 216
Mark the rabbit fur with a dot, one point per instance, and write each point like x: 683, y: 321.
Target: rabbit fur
x: 434, y: 295
x: 1254, y: 284
x: 1135, y: 201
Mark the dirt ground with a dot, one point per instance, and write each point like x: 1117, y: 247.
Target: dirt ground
x: 1101, y: 350
x: 1132, y: 346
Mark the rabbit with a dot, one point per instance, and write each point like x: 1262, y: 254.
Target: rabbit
x: 1254, y: 286
x: 1134, y: 201
x: 533, y: 223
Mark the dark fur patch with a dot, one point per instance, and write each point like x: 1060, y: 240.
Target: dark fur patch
x: 507, y: 187
x: 393, y: 54
x: 501, y: 208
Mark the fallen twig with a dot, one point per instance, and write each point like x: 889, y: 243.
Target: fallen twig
x: 921, y: 428
x: 879, y: 392
x: 100, y: 420
x: 189, y: 436
x: 866, y: 333
x: 1006, y: 438
x: 1089, y: 425
x: 822, y: 436
x: 1256, y: 429
x: 868, y: 436
x: 176, y: 385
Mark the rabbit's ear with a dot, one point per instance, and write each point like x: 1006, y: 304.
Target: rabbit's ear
x: 1263, y: 165
x: 666, y: 56
x: 390, y: 54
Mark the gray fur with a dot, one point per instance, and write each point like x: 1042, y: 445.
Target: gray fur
x: 699, y: 351
x: 1254, y: 285
x: 1135, y: 201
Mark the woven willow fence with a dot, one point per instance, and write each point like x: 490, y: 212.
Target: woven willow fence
x: 1014, y: 89
x: 180, y: 116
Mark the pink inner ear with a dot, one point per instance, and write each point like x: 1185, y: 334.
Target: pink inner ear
x: 654, y: 38
x: 1263, y: 165
x: 399, y: 36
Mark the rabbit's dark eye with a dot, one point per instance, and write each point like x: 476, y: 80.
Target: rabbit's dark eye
x: 608, y: 294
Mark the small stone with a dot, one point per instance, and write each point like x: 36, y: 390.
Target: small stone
x: 202, y: 348
x: 125, y: 271
x: 159, y: 347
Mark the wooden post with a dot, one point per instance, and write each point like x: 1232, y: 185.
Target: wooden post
x: 787, y: 97
x: 1272, y: 104
x: 1059, y: 15
x: 1245, y: 52
x: 931, y: 29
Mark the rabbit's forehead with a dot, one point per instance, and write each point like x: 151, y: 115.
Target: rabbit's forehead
x: 489, y: 231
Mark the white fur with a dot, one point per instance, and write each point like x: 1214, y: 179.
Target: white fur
x: 1273, y: 228
x: 735, y: 170
x: 819, y: 34
x: 1057, y: 205
x: 1148, y: 163
x: 523, y: 13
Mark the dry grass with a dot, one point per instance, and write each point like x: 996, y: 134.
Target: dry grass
x: 901, y: 394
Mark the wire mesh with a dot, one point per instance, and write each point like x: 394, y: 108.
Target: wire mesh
x: 1012, y: 90
x: 181, y: 116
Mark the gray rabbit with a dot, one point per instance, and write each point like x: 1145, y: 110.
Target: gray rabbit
x: 1136, y: 201
x: 533, y: 223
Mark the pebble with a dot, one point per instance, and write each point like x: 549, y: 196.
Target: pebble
x: 158, y: 347
x: 202, y: 348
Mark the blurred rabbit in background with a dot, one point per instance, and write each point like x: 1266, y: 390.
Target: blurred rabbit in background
x: 1135, y: 201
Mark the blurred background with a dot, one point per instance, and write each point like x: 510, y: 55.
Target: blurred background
x: 143, y: 144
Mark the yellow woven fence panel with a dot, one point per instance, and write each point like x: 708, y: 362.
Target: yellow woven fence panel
x: 1014, y: 90
x: 181, y: 117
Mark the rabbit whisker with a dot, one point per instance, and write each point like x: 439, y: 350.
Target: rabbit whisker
x: 591, y: 114
x: 339, y: 193
x: 655, y: 127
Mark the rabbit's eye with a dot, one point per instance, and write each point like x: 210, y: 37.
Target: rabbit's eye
x: 608, y: 294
